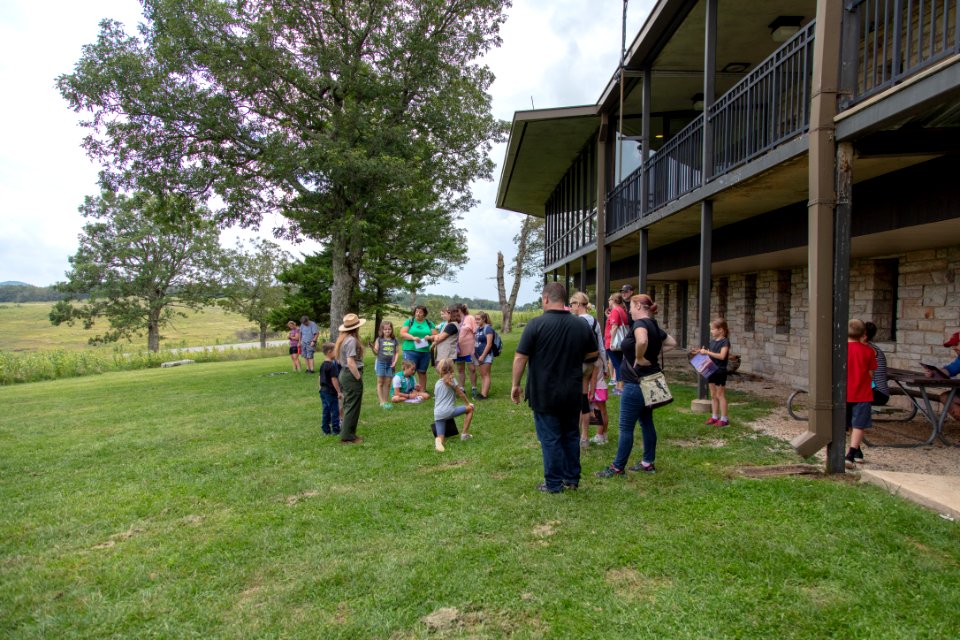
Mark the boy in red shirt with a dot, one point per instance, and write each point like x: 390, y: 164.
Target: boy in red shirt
x: 861, y: 363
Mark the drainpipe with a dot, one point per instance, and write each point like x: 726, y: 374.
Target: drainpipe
x: 706, y: 207
x: 827, y: 401
x: 603, y: 256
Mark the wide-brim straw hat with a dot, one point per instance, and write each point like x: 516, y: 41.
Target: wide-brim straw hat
x: 351, y: 321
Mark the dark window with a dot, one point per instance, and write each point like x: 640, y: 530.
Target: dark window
x: 750, y: 302
x: 722, y: 290
x: 783, y: 302
x: 885, y: 298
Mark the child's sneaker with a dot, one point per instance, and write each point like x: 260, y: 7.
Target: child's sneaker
x: 465, y: 436
x: 858, y: 455
x: 722, y: 422
x: 584, y: 444
x: 473, y: 392
x: 438, y: 444
x: 609, y: 472
x: 712, y: 421
x: 851, y: 456
x: 598, y: 440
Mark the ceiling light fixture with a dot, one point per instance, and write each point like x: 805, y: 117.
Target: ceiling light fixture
x: 784, y: 27
x: 735, y: 67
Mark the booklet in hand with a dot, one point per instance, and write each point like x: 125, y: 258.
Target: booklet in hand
x: 938, y: 373
x: 704, y: 365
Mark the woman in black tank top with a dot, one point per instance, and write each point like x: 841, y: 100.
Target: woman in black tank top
x: 641, y: 352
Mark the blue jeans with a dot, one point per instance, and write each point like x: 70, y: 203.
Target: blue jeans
x: 615, y: 357
x: 631, y: 410
x: 331, y: 412
x: 559, y: 437
x: 420, y: 359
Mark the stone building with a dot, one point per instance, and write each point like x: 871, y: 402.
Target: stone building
x: 784, y: 164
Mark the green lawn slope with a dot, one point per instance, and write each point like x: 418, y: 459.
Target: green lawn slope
x: 203, y: 501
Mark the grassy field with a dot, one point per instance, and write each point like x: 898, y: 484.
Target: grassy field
x: 204, y: 502
x: 26, y: 328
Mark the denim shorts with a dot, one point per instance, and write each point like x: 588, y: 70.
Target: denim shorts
x: 307, y: 351
x: 383, y: 370
x: 487, y: 360
x: 421, y: 359
x: 465, y: 358
x: 859, y: 415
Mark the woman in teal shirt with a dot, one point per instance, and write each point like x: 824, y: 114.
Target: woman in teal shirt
x: 417, y: 333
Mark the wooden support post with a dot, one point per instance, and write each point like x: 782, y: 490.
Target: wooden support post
x: 821, y: 174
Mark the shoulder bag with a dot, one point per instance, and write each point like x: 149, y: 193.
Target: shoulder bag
x: 656, y: 391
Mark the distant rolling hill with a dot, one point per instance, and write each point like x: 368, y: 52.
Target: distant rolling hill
x: 15, y: 283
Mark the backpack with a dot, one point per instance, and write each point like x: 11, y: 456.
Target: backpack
x: 497, y: 347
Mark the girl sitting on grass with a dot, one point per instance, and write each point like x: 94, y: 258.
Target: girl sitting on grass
x: 445, y: 393
x: 405, y: 387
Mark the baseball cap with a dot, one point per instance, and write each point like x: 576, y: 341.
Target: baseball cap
x: 953, y: 341
x: 626, y: 287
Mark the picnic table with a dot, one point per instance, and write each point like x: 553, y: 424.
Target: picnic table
x: 916, y: 386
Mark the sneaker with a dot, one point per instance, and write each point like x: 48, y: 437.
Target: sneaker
x: 474, y: 392
x: 643, y: 467
x: 851, y: 455
x: 598, y: 440
x: 465, y: 436
x: 542, y: 488
x: 438, y: 444
x: 858, y: 455
x: 570, y: 486
x: 722, y: 422
x: 712, y: 421
x: 584, y: 444
x: 609, y: 472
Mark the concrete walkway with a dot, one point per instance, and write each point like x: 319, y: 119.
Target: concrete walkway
x: 940, y: 493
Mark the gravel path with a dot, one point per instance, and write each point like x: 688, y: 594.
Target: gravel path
x: 935, y: 459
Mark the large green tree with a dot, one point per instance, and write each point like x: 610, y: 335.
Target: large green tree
x: 251, y: 286
x: 142, y: 260
x: 528, y: 262
x: 348, y: 116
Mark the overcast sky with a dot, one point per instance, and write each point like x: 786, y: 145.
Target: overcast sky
x: 555, y: 53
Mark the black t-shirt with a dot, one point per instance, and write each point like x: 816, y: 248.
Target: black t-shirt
x: 328, y: 370
x: 557, y: 344
x: 655, y: 338
x: 715, y: 347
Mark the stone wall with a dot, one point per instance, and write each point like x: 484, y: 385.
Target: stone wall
x: 914, y: 299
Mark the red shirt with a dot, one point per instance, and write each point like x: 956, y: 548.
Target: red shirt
x: 861, y: 362
x: 618, y: 315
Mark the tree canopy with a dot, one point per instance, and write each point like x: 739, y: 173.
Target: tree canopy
x: 349, y: 117
x: 142, y: 258
x: 251, y: 286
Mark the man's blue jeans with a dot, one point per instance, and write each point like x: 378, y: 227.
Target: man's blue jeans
x: 632, y: 409
x: 559, y: 437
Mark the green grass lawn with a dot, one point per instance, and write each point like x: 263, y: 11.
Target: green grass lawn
x: 26, y: 328
x: 204, y: 502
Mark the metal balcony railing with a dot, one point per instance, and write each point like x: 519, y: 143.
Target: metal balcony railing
x: 562, y: 242
x: 898, y: 38
x: 765, y: 109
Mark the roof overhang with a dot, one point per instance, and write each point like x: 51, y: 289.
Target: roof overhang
x: 543, y: 144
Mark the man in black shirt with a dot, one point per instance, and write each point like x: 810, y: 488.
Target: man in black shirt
x: 560, y: 349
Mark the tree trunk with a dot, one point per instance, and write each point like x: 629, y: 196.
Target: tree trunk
x: 505, y: 308
x: 346, y: 254
x: 263, y: 335
x: 153, y: 331
x: 342, y: 283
